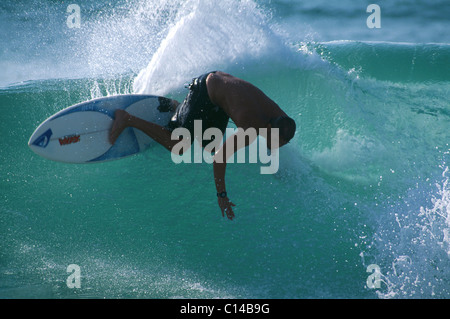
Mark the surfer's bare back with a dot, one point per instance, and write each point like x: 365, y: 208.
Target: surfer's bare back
x: 214, y: 98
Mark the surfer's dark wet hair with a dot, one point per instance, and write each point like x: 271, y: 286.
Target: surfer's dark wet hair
x: 285, y: 125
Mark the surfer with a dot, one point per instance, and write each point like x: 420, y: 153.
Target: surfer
x: 214, y: 98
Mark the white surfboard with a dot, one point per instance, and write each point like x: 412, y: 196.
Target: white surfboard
x: 79, y: 133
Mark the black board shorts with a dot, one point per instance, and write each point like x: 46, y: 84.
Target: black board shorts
x: 198, y: 106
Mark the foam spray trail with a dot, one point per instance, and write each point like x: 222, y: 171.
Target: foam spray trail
x: 207, y: 36
x: 125, y: 39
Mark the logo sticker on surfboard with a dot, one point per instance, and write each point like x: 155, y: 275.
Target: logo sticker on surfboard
x: 44, y: 139
x: 71, y: 139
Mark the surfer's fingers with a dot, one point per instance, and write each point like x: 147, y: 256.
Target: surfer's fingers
x: 230, y: 213
x: 222, y: 208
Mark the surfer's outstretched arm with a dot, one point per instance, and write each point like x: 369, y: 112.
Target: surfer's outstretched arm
x: 230, y: 147
x: 157, y: 132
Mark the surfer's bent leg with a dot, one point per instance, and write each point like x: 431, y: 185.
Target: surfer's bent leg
x: 196, y: 106
x: 157, y: 132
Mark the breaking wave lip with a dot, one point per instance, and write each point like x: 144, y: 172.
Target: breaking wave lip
x: 389, y: 61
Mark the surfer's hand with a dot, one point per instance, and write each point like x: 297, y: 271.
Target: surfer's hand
x: 225, y: 206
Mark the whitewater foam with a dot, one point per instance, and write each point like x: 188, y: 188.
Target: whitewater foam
x: 413, y: 243
x: 349, y: 156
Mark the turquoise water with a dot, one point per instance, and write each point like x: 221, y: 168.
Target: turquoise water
x: 365, y: 180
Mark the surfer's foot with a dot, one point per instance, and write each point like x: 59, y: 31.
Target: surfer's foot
x: 121, y: 122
